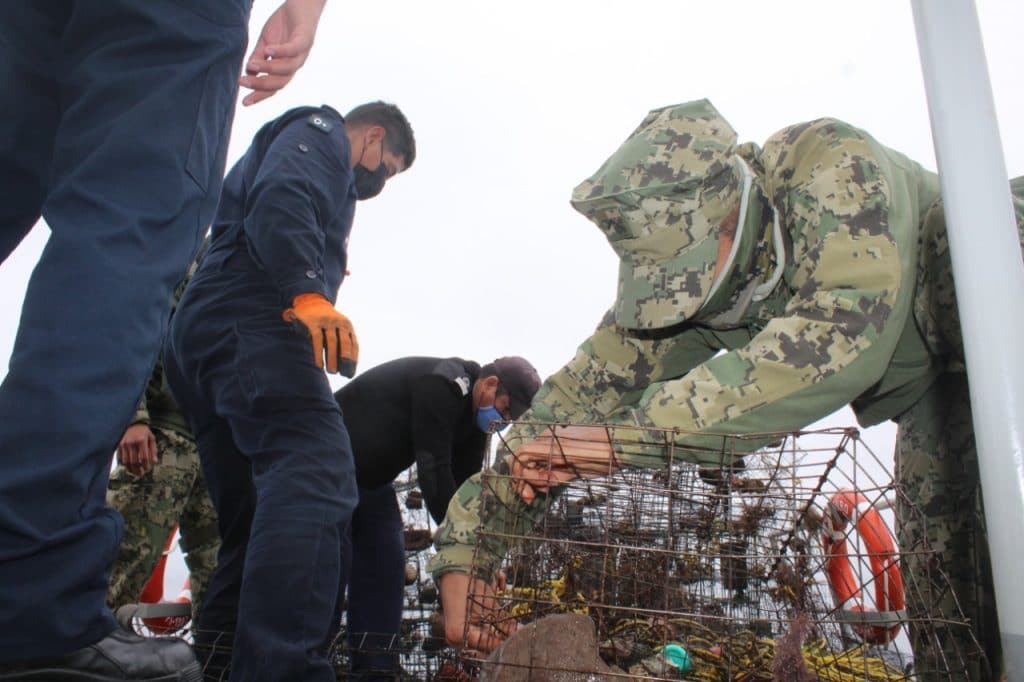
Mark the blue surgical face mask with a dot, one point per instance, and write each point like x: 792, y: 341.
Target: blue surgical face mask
x: 486, y: 415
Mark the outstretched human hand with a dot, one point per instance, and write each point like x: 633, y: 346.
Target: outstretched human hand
x: 281, y: 49
x: 559, y: 456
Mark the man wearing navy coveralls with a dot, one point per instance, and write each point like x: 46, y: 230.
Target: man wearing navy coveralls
x: 271, y: 438
x: 115, y: 128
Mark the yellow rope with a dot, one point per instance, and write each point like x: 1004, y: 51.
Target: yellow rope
x: 742, y: 652
x: 749, y: 654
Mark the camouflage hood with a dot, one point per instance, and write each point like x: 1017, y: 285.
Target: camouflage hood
x: 660, y: 200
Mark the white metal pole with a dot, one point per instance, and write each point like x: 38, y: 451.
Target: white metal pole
x: 989, y: 276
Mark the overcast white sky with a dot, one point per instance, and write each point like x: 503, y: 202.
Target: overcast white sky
x: 476, y: 251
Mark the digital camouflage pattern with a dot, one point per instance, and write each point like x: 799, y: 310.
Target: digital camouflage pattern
x: 937, y: 466
x: 660, y: 200
x: 173, y: 493
x: 842, y: 326
x: 937, y: 462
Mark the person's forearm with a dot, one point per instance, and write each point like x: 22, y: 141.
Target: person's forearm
x: 458, y: 545
x: 288, y: 205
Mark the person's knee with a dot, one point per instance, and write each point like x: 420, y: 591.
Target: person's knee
x: 309, y: 495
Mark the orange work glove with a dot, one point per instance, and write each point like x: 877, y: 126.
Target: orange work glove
x: 330, y: 331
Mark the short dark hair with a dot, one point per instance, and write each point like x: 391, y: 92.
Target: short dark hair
x: 399, y: 139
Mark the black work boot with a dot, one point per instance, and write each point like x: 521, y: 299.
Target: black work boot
x: 121, y: 656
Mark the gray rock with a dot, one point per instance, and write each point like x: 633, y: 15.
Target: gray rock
x: 559, y: 648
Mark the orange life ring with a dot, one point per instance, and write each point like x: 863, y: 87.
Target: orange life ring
x: 882, y: 625
x: 165, y: 620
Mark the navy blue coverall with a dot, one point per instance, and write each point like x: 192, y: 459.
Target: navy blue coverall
x: 115, y: 123
x: 271, y: 438
x: 410, y: 410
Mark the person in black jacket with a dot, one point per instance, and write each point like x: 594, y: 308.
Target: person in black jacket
x: 432, y: 412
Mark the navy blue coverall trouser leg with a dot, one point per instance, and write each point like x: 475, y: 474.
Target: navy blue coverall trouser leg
x: 115, y: 122
x: 279, y: 467
x: 373, y: 565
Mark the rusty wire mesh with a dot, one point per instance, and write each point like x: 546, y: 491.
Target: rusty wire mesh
x: 405, y: 659
x: 728, y: 562
x: 418, y: 652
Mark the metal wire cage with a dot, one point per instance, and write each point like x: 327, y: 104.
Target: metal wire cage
x: 780, y: 564
x: 415, y: 654
x: 411, y: 656
x: 419, y: 651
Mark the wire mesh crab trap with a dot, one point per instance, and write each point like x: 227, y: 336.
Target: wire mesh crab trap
x: 387, y: 657
x: 419, y: 651
x: 781, y: 564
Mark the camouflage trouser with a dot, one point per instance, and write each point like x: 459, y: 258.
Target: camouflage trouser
x: 937, y: 466
x: 172, y: 493
x: 946, y: 564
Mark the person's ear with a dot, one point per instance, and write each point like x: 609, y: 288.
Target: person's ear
x: 375, y: 134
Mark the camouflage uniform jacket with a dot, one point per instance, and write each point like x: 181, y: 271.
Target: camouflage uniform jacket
x: 838, y: 328
x: 863, y: 313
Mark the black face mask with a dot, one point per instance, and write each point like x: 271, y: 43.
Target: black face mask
x: 370, y: 183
